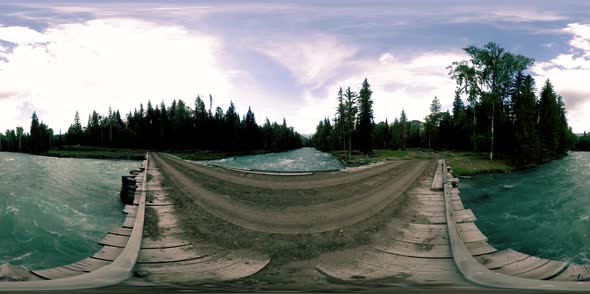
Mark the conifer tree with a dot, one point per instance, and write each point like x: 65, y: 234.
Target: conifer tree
x: 365, y: 119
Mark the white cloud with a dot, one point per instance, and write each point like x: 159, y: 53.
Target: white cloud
x: 312, y: 61
x: 91, y: 65
x: 569, y: 74
x: 397, y: 84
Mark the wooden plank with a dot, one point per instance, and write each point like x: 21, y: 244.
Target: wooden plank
x: 470, y: 233
x: 415, y: 250
x: 170, y: 231
x: 522, y: 266
x: 17, y: 273
x: 350, y: 267
x: 120, y: 231
x: 156, y: 202
x: 165, y: 242
x: 114, y: 240
x: 108, y: 253
x: 500, y: 258
x: 574, y: 272
x: 464, y: 215
x: 174, y: 254
x: 129, y: 222
x: 214, y: 268
x: 423, y: 217
x: 437, y: 184
x: 433, y: 237
x: 57, y: 273
x: 547, y: 270
x: 87, y: 265
x: 130, y: 209
x: 167, y: 220
x: 480, y: 248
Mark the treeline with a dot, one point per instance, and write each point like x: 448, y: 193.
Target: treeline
x: 583, y: 142
x: 40, y: 138
x: 176, y: 126
x: 353, y: 124
x: 503, y: 115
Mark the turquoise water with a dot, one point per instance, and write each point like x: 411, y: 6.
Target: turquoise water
x: 302, y: 159
x: 543, y: 211
x: 54, y: 210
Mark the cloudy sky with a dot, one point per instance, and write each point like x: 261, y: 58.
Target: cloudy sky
x: 282, y: 58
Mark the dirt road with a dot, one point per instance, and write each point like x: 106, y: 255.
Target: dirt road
x: 296, y: 219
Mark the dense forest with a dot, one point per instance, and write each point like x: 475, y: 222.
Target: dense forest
x: 176, y: 126
x: 503, y: 114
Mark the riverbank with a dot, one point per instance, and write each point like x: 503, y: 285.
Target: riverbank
x: 97, y: 153
x: 463, y: 163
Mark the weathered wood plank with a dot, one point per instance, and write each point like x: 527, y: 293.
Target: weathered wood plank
x: 522, y: 266
x: 500, y: 258
x: 547, y: 270
x: 213, y: 268
x: 345, y: 266
x: 129, y: 222
x: 164, y: 242
x: 423, y: 217
x: 170, y: 231
x: 437, y: 184
x: 87, y: 265
x: 108, y: 253
x: 464, y: 215
x: 433, y: 237
x: 480, y: 248
x: 120, y: 231
x: 574, y: 272
x: 470, y: 233
x: 174, y: 254
x: 114, y: 240
x: 16, y: 273
x: 57, y: 273
x: 415, y: 250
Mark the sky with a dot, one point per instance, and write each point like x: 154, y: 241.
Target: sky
x: 282, y: 58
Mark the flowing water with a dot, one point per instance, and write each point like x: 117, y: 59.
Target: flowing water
x: 543, y: 211
x: 303, y: 159
x: 53, y: 211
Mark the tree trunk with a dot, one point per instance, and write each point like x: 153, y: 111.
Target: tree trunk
x: 492, y: 132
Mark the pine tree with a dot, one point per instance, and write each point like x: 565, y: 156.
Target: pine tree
x: 350, y: 112
x: 365, y: 119
x: 35, y: 134
x: 548, y: 121
x: 403, y: 122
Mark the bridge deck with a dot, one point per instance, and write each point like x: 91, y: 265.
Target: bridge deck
x: 172, y: 258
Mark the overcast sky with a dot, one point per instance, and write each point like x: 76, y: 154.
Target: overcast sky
x: 282, y: 58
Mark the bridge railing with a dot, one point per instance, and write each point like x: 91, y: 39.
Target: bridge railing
x: 114, y: 273
x: 477, y: 273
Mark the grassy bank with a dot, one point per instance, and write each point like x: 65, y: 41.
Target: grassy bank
x: 97, y: 152
x: 212, y: 155
x: 463, y: 163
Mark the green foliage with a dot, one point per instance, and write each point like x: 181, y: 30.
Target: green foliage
x: 365, y: 119
x: 161, y: 127
x: 487, y: 76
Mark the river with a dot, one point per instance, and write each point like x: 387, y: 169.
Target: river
x: 302, y: 159
x: 53, y: 211
x: 543, y: 211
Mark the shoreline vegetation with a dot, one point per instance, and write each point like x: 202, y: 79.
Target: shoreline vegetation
x: 498, y: 112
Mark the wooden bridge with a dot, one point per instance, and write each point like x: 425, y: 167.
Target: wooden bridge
x: 431, y: 240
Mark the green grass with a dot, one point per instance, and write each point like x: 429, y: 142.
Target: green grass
x: 463, y: 163
x: 97, y: 152
x: 467, y: 164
